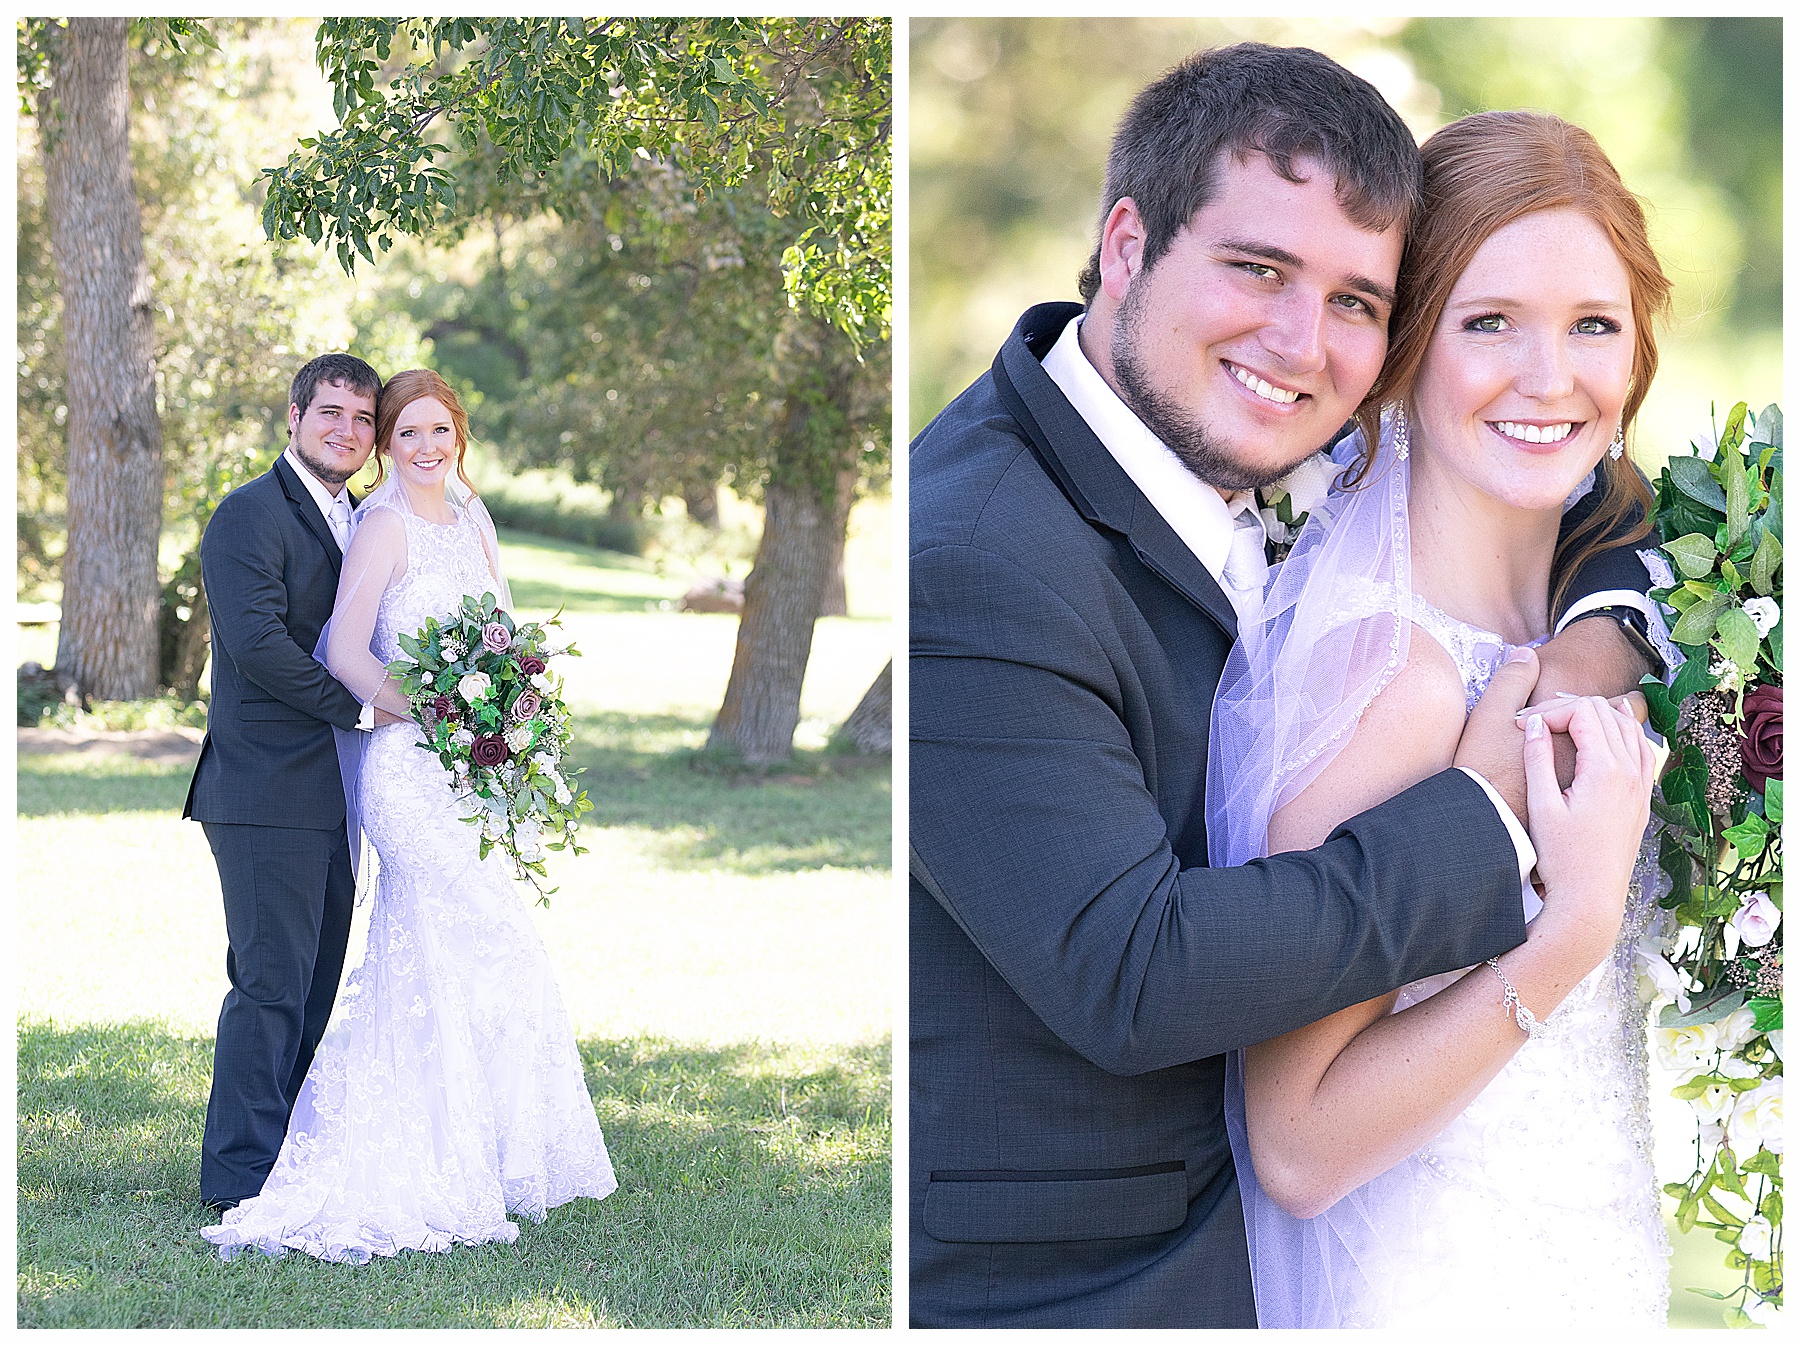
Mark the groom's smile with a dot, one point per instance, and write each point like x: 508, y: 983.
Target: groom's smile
x: 1257, y: 332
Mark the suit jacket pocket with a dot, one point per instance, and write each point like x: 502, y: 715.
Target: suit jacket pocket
x: 1055, y: 1205
x: 271, y: 709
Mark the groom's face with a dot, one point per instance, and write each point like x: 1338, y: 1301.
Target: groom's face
x: 335, y: 434
x: 1260, y: 329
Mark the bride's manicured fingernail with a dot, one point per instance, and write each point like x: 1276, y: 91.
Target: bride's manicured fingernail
x: 1520, y: 654
x: 1534, y: 727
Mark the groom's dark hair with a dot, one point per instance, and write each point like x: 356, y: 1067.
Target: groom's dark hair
x: 337, y: 367
x: 1281, y: 102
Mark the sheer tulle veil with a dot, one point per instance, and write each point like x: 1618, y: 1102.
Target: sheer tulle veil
x: 350, y: 742
x: 1333, y: 632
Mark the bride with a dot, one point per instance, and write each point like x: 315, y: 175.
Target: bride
x: 448, y: 1090
x: 1475, y: 1147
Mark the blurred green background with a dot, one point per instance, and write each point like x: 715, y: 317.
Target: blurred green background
x: 1010, y: 121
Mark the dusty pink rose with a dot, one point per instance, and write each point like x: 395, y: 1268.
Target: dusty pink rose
x: 489, y: 750
x: 525, y: 707
x: 496, y: 637
x: 1761, y: 745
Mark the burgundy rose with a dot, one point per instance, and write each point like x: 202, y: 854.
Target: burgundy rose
x: 496, y: 638
x: 1761, y: 745
x: 525, y: 707
x: 489, y: 750
x: 531, y: 665
x: 442, y: 707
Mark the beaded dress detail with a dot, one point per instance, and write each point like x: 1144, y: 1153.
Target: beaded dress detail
x: 448, y: 1089
x: 1538, y: 1205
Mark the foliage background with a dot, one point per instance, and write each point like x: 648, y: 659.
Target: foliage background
x: 1010, y: 120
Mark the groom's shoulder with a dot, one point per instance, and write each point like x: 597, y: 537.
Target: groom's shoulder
x: 974, y: 478
x: 252, y: 506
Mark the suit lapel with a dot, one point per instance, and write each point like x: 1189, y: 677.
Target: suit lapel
x: 308, y: 511
x: 1092, y: 479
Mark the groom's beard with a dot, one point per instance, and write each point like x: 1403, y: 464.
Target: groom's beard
x: 331, y: 476
x: 1199, y: 450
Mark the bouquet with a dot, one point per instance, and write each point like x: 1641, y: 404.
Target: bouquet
x: 1717, y: 976
x: 481, y: 688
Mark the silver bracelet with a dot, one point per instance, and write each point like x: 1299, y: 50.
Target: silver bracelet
x: 1514, y: 1006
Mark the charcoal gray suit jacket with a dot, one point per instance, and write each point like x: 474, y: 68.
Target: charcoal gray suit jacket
x: 1077, y: 972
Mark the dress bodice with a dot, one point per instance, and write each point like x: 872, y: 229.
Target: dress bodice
x: 1556, y: 1151
x: 444, y: 564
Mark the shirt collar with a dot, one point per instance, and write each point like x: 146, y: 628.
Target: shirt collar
x: 320, y: 492
x: 1198, y: 514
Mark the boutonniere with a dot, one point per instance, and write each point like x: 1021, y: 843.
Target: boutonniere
x: 1286, y: 504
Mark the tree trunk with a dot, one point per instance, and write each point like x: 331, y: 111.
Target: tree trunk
x: 836, y: 600
x: 702, y: 503
x: 870, y: 728
x: 108, y: 642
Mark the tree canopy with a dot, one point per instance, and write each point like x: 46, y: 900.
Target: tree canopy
x: 803, y: 106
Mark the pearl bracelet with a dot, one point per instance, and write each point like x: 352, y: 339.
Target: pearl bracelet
x: 1514, y: 1006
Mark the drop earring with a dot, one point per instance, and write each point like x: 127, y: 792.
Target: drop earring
x: 1618, y: 443
x: 1402, y: 443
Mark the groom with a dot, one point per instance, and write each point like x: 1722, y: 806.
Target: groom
x: 266, y: 788
x: 1082, y: 527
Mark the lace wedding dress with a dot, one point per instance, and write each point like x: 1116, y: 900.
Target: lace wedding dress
x: 448, y: 1090
x: 1538, y: 1205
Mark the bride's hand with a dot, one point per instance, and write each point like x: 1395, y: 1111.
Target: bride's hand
x: 1587, y: 836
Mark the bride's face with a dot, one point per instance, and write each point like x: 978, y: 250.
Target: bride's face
x: 423, y: 446
x: 1525, y: 378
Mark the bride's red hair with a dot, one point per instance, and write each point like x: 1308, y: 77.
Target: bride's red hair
x: 399, y: 392
x: 1482, y: 173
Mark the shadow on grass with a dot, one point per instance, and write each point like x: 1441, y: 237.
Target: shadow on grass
x: 71, y: 784
x: 754, y: 1192
x: 642, y: 771
x: 647, y: 771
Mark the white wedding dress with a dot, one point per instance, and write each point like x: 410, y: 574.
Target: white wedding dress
x: 448, y: 1089
x: 1538, y: 1205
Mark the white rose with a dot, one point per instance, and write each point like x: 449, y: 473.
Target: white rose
x: 473, y: 687
x: 462, y: 738
x: 562, y: 792
x: 1765, y: 612
x: 1661, y: 974
x: 1309, y: 482
x: 1687, y: 1049
x: 1715, y: 1103
x: 1757, y: 1119
x: 428, y: 679
x: 1758, y: 1238
x: 1735, y: 1029
x: 1755, y: 921
x: 541, y: 681
x: 518, y: 738
x: 1276, y: 530
x: 1761, y: 1311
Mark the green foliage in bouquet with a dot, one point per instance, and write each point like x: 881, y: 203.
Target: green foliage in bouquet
x: 1718, y: 974
x: 481, y: 689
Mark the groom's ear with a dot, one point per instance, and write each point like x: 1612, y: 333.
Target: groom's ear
x: 1122, y: 240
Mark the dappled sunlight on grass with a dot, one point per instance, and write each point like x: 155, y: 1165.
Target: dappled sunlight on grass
x: 753, y: 1192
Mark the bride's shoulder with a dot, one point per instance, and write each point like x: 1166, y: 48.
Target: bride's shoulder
x: 1425, y: 700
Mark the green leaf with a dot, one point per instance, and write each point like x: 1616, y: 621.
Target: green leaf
x: 1701, y: 1014
x: 1736, y: 1317
x: 1694, y: 677
x: 1736, y: 637
x: 1710, y: 1294
x: 1698, y: 622
x: 1664, y: 709
x: 1693, y: 555
x: 1734, y: 428
x: 1772, y: 802
x: 1768, y: 1017
x: 1749, y: 837
x: 1763, y: 565
x: 1693, y: 478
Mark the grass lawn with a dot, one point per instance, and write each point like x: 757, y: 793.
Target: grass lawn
x: 725, y: 949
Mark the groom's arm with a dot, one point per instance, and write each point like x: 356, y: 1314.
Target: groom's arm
x: 1031, y: 816
x: 246, y: 596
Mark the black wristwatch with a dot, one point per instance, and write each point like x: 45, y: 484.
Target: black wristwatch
x: 1636, y: 628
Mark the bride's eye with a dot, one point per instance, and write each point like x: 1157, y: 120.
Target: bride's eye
x: 1596, y: 326
x: 1486, y: 322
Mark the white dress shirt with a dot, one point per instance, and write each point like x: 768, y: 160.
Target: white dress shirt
x: 334, y: 508
x: 1202, y: 518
